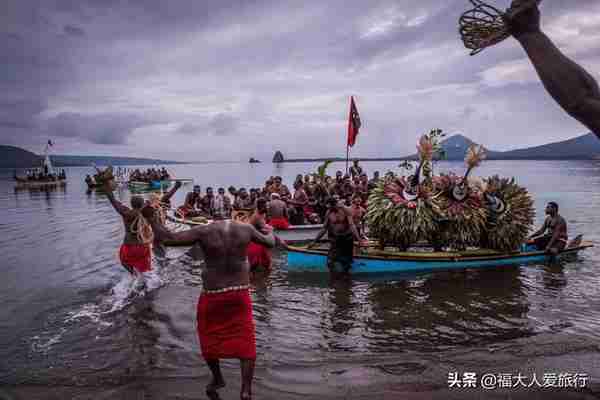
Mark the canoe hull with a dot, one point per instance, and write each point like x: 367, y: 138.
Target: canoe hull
x: 39, y: 185
x: 316, y: 261
x: 153, y: 185
x: 297, y: 234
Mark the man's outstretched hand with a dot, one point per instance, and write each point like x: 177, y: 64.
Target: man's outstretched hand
x: 523, y: 17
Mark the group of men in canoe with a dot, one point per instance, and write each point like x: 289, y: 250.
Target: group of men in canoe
x: 224, y: 312
x: 307, y: 204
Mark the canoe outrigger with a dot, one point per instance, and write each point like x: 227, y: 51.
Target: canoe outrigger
x: 370, y: 260
x: 295, y: 234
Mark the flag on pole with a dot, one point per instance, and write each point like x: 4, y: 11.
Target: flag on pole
x: 353, y: 123
x: 50, y: 143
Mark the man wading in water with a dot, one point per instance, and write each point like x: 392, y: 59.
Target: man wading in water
x: 135, y: 253
x: 342, y: 232
x: 224, y: 311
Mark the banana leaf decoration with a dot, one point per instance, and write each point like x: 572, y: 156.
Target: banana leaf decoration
x: 460, y: 203
x: 322, y: 170
x: 510, y: 214
x: 399, y: 211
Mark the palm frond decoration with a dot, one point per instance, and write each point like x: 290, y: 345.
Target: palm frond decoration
x: 397, y: 221
x: 465, y: 217
x: 474, y: 156
x: 510, y: 214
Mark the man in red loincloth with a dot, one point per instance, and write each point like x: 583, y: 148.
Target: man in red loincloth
x: 224, y: 311
x: 278, y: 213
x: 135, y: 252
x: 259, y: 255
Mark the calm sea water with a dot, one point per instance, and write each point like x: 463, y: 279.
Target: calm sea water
x: 71, y: 315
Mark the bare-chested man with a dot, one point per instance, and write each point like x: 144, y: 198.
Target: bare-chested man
x: 279, y: 188
x: 358, y: 213
x: 258, y: 254
x: 243, y: 201
x: 341, y: 233
x: 555, y: 239
x: 573, y: 88
x: 135, y: 252
x: 224, y: 311
x: 189, y: 209
x: 299, y: 202
x: 278, y: 214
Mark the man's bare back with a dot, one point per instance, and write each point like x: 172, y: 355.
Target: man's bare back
x: 277, y: 209
x: 224, y: 245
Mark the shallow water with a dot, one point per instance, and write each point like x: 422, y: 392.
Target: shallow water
x: 69, y: 306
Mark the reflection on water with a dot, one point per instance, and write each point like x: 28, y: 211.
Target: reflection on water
x: 69, y: 305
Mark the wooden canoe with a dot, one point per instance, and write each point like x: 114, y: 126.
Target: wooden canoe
x: 295, y: 234
x: 375, y: 261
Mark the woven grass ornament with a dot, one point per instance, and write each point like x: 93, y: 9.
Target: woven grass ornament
x: 485, y: 25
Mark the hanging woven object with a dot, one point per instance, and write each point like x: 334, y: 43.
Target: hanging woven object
x: 510, y: 214
x: 484, y: 25
x: 459, y: 200
x: 399, y: 211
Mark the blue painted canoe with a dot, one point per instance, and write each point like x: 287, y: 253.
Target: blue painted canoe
x: 375, y: 261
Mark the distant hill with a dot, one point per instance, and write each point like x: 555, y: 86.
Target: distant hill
x: 72, y: 161
x: 15, y: 157
x: 585, y: 147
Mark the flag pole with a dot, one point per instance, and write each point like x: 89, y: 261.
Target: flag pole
x: 347, y: 155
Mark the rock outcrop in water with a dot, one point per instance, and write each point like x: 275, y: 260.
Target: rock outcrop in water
x: 278, y: 157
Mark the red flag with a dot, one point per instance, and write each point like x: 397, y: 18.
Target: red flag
x: 353, y: 123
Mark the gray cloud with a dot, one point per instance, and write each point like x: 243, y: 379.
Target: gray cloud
x: 156, y: 78
x: 106, y: 129
x: 74, y: 31
x: 224, y: 125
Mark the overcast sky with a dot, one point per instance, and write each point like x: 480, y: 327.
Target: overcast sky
x: 226, y: 80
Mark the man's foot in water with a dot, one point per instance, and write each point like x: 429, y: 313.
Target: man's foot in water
x: 215, y: 385
x: 245, y: 396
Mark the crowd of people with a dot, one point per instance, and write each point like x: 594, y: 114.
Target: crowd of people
x: 44, y: 175
x: 306, y: 204
x: 151, y: 174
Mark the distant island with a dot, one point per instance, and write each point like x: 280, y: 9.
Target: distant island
x: 584, y: 147
x: 16, y: 157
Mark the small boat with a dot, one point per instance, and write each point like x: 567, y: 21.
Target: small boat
x: 51, y: 180
x: 254, y: 160
x: 295, y: 234
x: 377, y: 261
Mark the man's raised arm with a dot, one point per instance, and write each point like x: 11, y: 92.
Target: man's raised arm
x: 163, y: 234
x: 167, y: 196
x: 571, y: 86
x: 117, y: 205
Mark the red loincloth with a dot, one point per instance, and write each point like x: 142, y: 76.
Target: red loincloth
x: 258, y: 256
x: 226, y: 326
x: 280, y: 223
x: 136, y: 256
x: 308, y: 211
